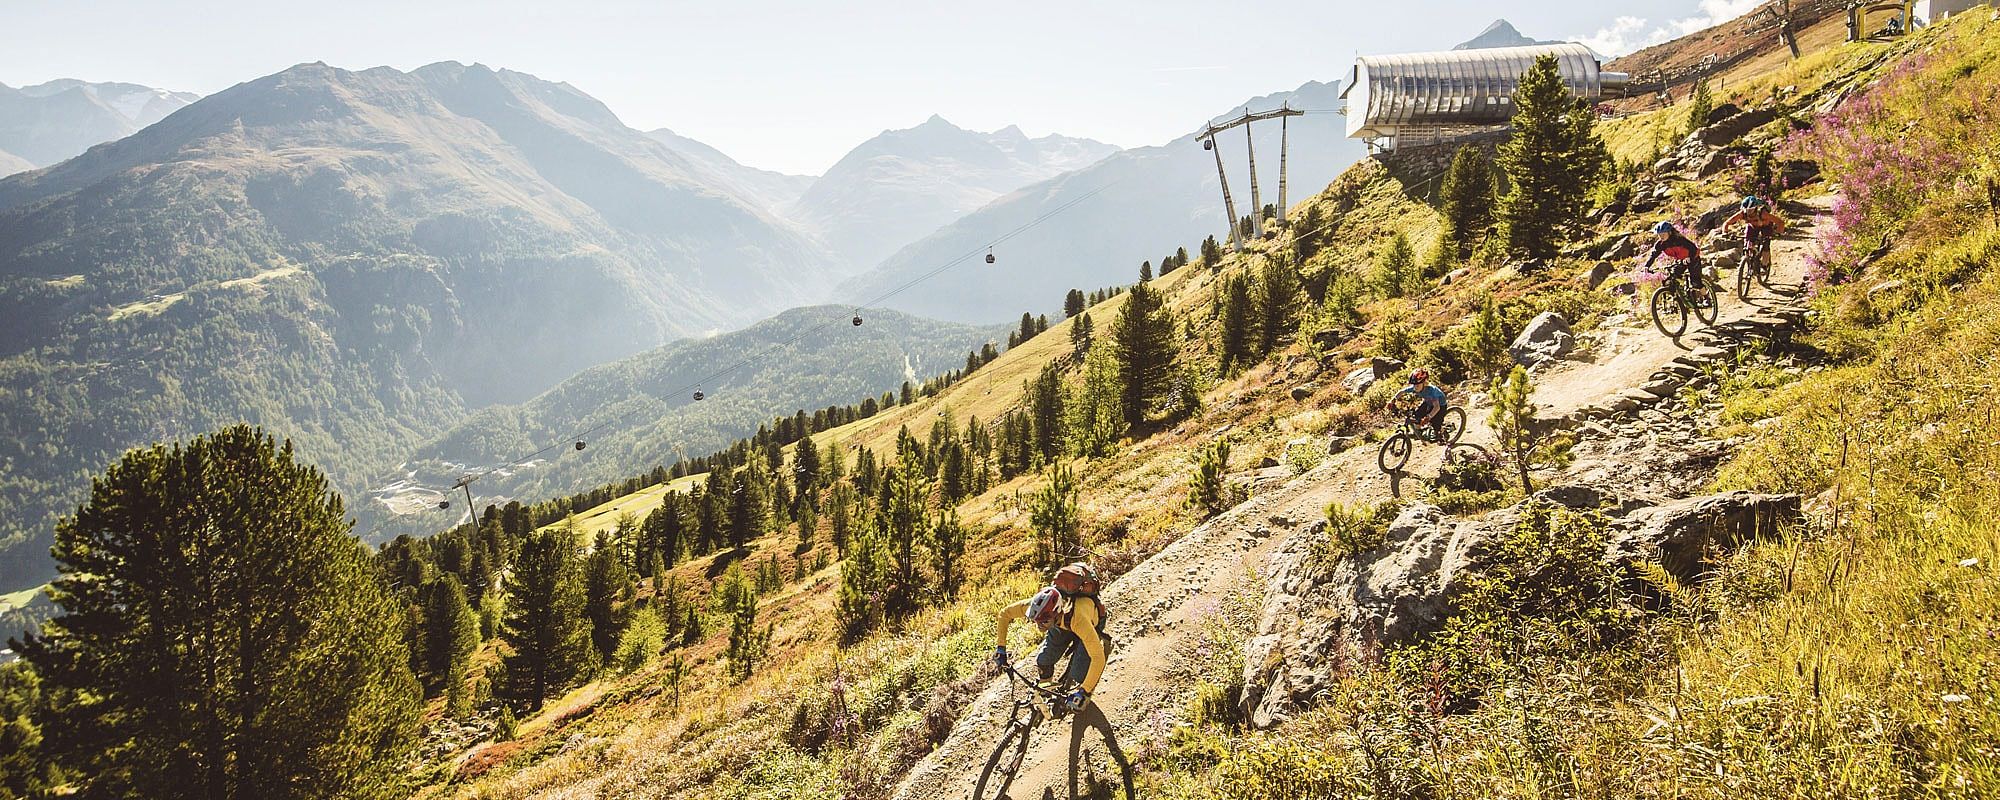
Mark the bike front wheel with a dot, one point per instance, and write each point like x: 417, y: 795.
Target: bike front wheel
x: 1707, y: 303
x: 1003, y: 766
x: 1743, y: 277
x: 1669, y: 313
x: 1395, y: 452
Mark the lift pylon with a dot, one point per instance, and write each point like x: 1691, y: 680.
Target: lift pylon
x: 1207, y: 138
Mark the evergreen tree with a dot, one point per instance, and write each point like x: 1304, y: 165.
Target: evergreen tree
x: 544, y: 624
x: 1467, y: 205
x: 1211, y: 253
x: 1486, y: 341
x: 1053, y: 513
x: 1551, y: 161
x: 1239, y: 323
x: 1280, y: 303
x: 1396, y: 275
x: 1079, y: 333
x: 905, y: 520
x: 1143, y: 336
x: 862, y: 576
x: 606, y: 582
x: 947, y: 551
x: 221, y: 634
x: 1145, y: 271
x: 749, y: 505
x: 1701, y: 103
x: 1045, y: 408
x: 1073, y: 303
x: 1096, y: 407
x: 451, y: 635
x: 1027, y: 326
x: 840, y: 515
x: 1513, y: 424
x: 806, y: 469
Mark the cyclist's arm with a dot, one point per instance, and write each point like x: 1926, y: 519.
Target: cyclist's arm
x: 1733, y: 219
x: 1008, y: 615
x: 1777, y: 224
x: 1083, y: 623
x: 1652, y: 258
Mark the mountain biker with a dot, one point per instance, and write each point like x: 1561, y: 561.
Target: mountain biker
x: 1668, y: 241
x: 1430, y: 402
x: 1071, y: 625
x: 1759, y: 224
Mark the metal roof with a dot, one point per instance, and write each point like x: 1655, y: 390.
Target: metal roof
x: 1459, y: 87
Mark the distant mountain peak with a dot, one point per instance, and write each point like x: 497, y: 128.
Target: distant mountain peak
x: 1499, y: 34
x: 938, y: 119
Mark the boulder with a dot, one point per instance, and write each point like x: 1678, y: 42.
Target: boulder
x: 1667, y: 164
x: 1680, y: 534
x: 1720, y: 113
x: 1598, y: 273
x: 1454, y: 275
x: 1358, y: 381
x: 1304, y: 391
x: 1546, y: 338
x: 1713, y: 217
x: 1624, y: 248
x: 1798, y: 172
x: 1714, y: 164
x: 1385, y: 367
x: 1730, y: 129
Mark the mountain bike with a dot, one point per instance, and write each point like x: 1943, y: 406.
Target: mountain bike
x: 1756, y: 245
x: 1396, y: 449
x: 1675, y: 301
x: 1029, y: 697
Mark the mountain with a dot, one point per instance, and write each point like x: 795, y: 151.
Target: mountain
x: 1499, y: 34
x: 1128, y: 206
x: 49, y: 122
x: 352, y: 259
x: 10, y: 164
x: 902, y: 184
x: 805, y: 358
x: 760, y: 188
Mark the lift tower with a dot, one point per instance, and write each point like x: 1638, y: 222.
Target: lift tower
x: 1207, y: 139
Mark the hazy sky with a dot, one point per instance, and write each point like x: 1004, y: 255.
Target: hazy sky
x: 793, y: 85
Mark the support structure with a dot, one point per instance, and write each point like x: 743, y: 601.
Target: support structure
x: 1207, y: 139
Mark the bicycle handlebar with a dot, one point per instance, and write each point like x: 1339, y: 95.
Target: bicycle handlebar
x: 1031, y: 684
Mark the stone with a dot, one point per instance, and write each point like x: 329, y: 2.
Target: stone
x: 1622, y: 249
x: 1358, y: 380
x: 1798, y: 172
x: 1720, y: 113
x: 1596, y: 275
x: 1546, y: 338
x: 1679, y: 534
x: 1335, y: 445
x: 1714, y: 164
x: 1304, y: 392
x: 1266, y: 462
x: 1728, y: 130
x: 1885, y: 286
x: 1385, y: 367
x: 1667, y: 164
x: 1454, y: 276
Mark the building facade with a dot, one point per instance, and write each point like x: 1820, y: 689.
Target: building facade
x: 1415, y: 99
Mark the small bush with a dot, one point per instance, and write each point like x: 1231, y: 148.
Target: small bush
x: 1302, y: 457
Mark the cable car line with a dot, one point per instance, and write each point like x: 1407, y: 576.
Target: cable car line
x: 579, y: 438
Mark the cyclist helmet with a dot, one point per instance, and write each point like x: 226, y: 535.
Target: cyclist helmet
x: 1752, y: 201
x: 1043, y: 608
x: 1420, y: 376
x: 1663, y: 227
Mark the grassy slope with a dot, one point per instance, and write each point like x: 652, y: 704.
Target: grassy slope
x: 624, y: 736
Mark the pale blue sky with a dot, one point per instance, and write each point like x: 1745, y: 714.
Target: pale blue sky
x: 793, y: 85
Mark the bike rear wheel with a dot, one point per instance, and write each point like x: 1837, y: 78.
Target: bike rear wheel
x: 1454, y: 426
x: 1395, y: 452
x: 1669, y: 314
x: 1003, y: 766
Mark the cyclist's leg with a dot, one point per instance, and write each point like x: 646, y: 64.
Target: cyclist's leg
x: 1057, y: 642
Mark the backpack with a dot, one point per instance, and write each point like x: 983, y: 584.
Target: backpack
x: 1078, y: 579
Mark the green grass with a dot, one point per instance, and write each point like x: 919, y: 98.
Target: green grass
x: 9, y: 602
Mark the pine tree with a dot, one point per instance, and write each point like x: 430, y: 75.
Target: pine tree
x: 605, y: 583
x: 1053, y: 513
x: 221, y: 634
x: 806, y: 469
x: 1073, y: 303
x: 1045, y: 408
x: 1211, y: 253
x: 947, y: 551
x: 1551, y: 161
x: 750, y: 505
x: 862, y: 576
x: 840, y: 515
x: 1145, y: 271
x: 1467, y: 205
x: 1239, y: 323
x: 1701, y: 103
x: 450, y: 636
x: 1486, y: 341
x: 1096, y: 406
x: 1080, y: 333
x: 1143, y: 336
x: 1396, y: 275
x: 1513, y: 423
x: 1280, y: 304
x: 1207, y: 491
x: 544, y: 624
x: 905, y: 520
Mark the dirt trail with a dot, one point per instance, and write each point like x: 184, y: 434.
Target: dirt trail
x: 1158, y: 607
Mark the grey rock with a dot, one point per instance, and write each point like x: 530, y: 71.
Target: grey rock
x: 1732, y: 128
x: 1715, y: 163
x: 1385, y: 367
x: 1596, y: 275
x: 1305, y: 391
x: 1679, y: 534
x: 1546, y: 338
x: 1358, y: 381
x: 1720, y: 113
x: 1667, y: 164
x: 1622, y: 249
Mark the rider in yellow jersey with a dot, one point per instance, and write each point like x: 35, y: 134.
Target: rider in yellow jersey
x: 1070, y: 623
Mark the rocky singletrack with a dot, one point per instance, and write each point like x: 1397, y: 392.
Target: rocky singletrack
x: 1605, y: 393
